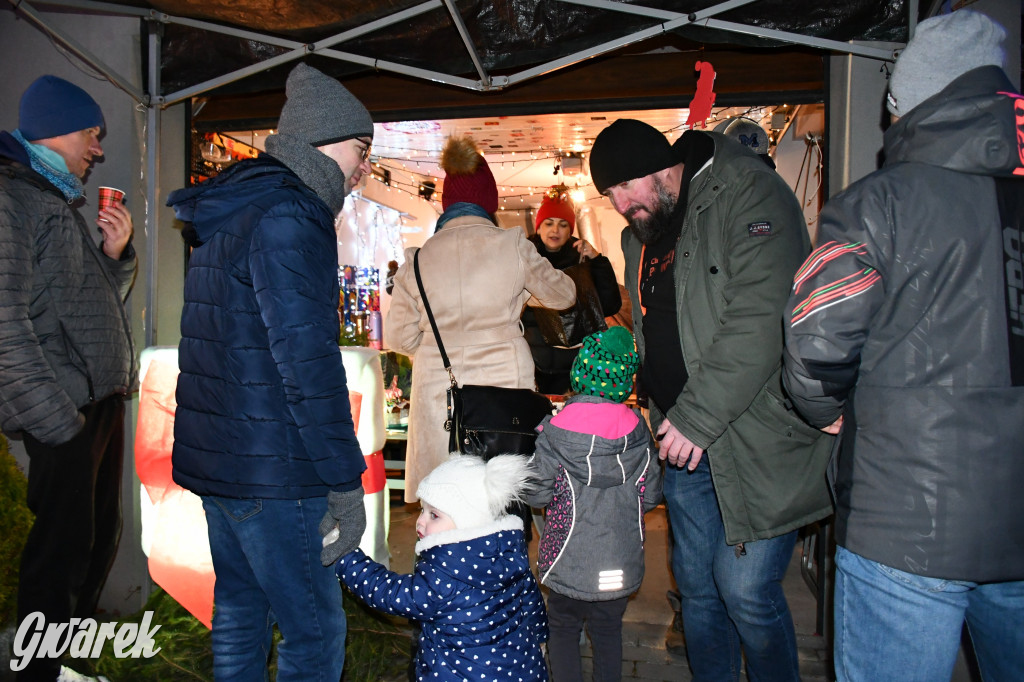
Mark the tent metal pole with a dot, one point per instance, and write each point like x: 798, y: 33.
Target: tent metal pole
x: 26, y: 8
x: 797, y: 39
x: 105, y: 7
x: 299, y: 49
x: 415, y: 72
x: 703, y: 18
x: 467, y: 40
x: 152, y: 184
x: 673, y: 20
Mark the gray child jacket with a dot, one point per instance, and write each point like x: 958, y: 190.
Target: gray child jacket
x: 597, y: 474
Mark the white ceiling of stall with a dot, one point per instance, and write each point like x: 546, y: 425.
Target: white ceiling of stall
x: 527, y: 154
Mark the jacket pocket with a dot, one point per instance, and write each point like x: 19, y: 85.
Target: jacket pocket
x: 780, y: 466
x: 239, y: 509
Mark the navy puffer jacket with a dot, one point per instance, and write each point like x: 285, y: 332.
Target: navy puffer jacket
x: 263, y: 407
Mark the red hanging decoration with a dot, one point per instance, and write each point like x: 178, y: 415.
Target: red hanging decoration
x: 704, y: 98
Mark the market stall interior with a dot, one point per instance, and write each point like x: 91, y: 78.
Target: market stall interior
x: 397, y: 206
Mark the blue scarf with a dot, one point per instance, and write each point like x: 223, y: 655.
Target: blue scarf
x: 459, y: 210
x: 52, y: 166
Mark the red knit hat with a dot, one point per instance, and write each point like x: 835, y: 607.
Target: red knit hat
x: 467, y: 176
x: 556, y: 204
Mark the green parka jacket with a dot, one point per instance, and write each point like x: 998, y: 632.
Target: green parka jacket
x: 743, y: 238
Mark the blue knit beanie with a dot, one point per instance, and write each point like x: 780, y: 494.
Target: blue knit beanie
x: 52, y: 107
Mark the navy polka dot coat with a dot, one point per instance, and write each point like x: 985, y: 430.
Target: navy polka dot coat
x: 480, y: 607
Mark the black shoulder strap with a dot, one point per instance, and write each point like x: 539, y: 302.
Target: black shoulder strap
x: 430, y: 316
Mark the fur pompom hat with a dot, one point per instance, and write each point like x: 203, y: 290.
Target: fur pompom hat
x: 467, y: 176
x: 556, y: 204
x: 606, y: 364
x: 473, y: 492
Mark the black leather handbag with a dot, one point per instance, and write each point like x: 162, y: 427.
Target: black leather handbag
x: 567, y: 328
x: 487, y: 420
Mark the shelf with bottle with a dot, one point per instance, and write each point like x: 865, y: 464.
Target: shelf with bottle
x: 359, y: 307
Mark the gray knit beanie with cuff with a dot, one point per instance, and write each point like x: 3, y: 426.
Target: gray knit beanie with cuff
x: 943, y: 49
x: 320, y: 110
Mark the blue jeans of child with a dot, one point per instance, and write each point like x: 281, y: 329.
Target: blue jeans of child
x: 266, y: 554
x: 728, y: 600
x: 894, y: 625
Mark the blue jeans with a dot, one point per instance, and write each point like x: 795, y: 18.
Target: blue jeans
x: 266, y: 554
x: 728, y: 601
x: 893, y: 625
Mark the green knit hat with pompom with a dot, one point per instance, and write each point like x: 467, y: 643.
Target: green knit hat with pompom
x: 606, y: 364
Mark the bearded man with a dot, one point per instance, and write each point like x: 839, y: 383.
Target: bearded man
x: 713, y: 240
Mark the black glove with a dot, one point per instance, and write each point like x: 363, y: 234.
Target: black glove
x: 347, y: 515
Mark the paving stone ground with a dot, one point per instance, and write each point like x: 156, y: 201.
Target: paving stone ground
x: 648, y: 615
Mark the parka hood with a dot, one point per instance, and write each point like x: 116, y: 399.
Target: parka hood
x: 607, y: 461
x: 969, y: 127
x: 210, y: 205
x: 11, y: 149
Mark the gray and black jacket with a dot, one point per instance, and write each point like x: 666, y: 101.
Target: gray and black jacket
x: 597, y: 473
x: 907, y: 321
x: 65, y: 338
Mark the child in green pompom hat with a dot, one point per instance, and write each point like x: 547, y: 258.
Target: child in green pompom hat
x: 596, y: 471
x: 605, y: 365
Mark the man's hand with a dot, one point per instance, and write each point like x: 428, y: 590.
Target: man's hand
x: 834, y: 427
x: 346, y: 515
x: 115, y: 223
x: 676, y: 448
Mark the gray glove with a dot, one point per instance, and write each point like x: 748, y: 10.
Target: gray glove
x: 347, y: 516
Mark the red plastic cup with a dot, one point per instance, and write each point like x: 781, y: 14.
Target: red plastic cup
x: 110, y: 196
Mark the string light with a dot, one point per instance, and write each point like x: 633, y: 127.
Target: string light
x: 398, y: 159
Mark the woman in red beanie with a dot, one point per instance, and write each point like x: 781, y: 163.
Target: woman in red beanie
x: 555, y: 221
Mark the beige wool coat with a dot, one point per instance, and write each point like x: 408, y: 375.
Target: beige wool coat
x: 477, y: 277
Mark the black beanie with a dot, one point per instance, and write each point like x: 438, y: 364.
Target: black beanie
x: 626, y: 150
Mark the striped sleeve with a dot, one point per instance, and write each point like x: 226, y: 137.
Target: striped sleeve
x: 830, y: 276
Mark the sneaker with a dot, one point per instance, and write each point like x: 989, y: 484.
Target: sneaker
x: 674, y: 642
x: 69, y: 675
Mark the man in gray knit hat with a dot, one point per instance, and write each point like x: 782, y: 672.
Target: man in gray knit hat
x: 263, y: 428
x: 904, y: 329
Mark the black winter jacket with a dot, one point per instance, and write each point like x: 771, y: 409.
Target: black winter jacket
x: 906, y: 320
x: 263, y: 406
x: 65, y: 339
x: 553, y: 363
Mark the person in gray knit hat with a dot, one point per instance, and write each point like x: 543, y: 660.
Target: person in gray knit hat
x: 903, y: 333
x: 943, y: 49
x: 263, y: 428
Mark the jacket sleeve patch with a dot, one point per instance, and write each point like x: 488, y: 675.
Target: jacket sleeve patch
x: 759, y: 229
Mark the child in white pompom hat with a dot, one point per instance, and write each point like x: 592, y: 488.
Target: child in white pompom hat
x: 472, y: 590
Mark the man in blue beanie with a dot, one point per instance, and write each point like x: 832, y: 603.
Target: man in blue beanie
x: 66, y: 361
x: 263, y: 430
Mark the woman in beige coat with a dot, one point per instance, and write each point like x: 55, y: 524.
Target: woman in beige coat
x: 477, y: 277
